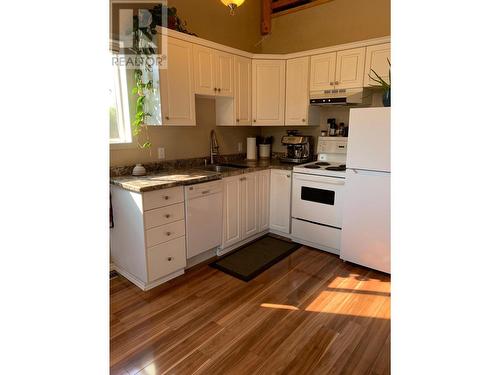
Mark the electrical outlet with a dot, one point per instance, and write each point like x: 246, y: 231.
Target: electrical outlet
x: 161, y: 153
x: 240, y: 146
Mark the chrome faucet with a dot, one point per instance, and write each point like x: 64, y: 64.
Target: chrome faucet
x: 214, y: 146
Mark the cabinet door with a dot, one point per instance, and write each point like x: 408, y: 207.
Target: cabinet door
x: 323, y: 71
x: 224, y: 73
x: 243, y: 93
x: 297, y: 91
x: 349, y: 72
x: 231, y: 218
x: 376, y: 59
x: 268, y: 92
x: 176, y: 84
x: 264, y: 196
x: 281, y: 187
x: 204, y: 71
x: 250, y: 204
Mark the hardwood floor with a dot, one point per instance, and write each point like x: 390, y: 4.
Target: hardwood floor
x: 311, y: 313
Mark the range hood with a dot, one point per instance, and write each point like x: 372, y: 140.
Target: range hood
x: 339, y: 97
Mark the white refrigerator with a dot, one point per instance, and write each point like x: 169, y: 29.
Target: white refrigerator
x: 366, y: 223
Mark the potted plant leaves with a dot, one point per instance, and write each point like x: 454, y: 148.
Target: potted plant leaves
x: 386, y: 86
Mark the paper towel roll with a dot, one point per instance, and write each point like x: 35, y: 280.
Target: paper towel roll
x: 251, y: 148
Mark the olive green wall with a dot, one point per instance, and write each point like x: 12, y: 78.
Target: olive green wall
x: 210, y: 19
x: 335, y: 22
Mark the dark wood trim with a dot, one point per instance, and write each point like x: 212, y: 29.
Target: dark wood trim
x: 299, y: 8
x: 265, y: 24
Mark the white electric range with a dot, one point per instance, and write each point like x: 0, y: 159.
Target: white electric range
x: 317, y: 196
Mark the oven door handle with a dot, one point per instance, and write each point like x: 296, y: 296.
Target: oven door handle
x: 327, y: 180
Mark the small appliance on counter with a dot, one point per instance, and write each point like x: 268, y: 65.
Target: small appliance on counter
x: 298, y: 147
x: 251, y: 148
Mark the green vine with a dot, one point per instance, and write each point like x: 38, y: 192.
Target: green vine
x: 143, y: 46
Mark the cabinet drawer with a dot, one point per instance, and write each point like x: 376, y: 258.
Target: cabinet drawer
x: 166, y: 258
x: 315, y: 233
x: 163, y: 215
x: 161, y: 198
x: 164, y: 233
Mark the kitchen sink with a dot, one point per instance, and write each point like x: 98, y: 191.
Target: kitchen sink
x: 221, y: 168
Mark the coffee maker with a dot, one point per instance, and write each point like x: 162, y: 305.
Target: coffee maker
x: 298, y: 147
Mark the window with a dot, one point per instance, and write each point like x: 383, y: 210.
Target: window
x: 119, y: 111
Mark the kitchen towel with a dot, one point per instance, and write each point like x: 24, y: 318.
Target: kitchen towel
x: 251, y: 148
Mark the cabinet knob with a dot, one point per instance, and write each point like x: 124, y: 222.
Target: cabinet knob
x: 169, y: 259
x: 331, y: 83
x: 168, y: 118
x: 167, y: 216
x: 237, y: 120
x: 336, y: 82
x: 287, y: 176
x: 168, y: 233
x: 218, y: 89
x: 254, y: 120
x: 215, y: 88
x: 243, y: 178
x: 303, y: 120
x: 166, y: 197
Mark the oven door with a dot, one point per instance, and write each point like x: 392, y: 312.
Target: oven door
x: 318, y: 199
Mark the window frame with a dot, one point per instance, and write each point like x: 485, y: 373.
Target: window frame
x: 120, y: 80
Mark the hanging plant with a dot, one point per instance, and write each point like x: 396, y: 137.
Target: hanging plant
x: 143, y: 47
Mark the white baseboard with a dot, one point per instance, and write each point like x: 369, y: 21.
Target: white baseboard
x: 147, y: 286
x: 282, y: 234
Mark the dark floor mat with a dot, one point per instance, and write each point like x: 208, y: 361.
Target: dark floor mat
x: 254, y: 258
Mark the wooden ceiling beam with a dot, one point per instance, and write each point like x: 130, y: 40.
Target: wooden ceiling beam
x: 265, y: 24
x: 284, y: 3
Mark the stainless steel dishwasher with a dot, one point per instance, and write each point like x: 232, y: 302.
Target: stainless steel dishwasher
x: 203, y: 217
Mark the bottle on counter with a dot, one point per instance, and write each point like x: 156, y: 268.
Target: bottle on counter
x: 333, y: 127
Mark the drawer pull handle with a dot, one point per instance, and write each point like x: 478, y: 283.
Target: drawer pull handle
x: 166, y: 197
x: 168, y: 233
x: 288, y: 176
x: 167, y: 216
x: 205, y: 192
x: 243, y: 179
x: 169, y: 259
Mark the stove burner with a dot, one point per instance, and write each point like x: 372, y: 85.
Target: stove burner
x: 312, y: 166
x: 336, y: 168
x: 323, y: 163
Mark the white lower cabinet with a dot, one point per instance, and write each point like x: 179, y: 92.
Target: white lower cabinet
x: 246, y: 207
x: 281, y: 190
x: 148, y: 243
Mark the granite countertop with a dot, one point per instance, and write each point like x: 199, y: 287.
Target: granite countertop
x: 189, y: 176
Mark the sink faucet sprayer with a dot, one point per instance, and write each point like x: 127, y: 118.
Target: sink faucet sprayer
x: 214, y: 146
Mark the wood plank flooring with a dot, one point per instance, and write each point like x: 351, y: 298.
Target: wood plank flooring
x: 311, y: 313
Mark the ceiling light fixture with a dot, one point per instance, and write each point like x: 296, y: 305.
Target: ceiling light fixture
x: 232, y: 5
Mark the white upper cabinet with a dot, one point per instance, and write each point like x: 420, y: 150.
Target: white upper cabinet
x: 243, y: 90
x: 376, y: 59
x: 213, y: 72
x: 176, y: 85
x: 323, y: 71
x: 268, y: 92
x: 297, y: 91
x: 338, y: 70
x: 204, y: 72
x: 224, y: 73
x: 350, y: 67
x: 237, y: 111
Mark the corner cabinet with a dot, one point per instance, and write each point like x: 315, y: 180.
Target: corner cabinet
x: 280, y: 201
x: 268, y: 92
x: 237, y: 111
x: 176, y: 84
x: 213, y: 72
x: 376, y: 59
x: 245, y: 207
